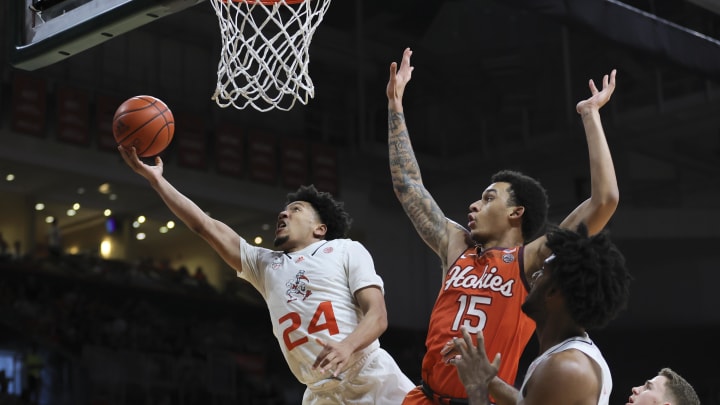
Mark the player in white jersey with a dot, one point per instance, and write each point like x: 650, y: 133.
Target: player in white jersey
x: 583, y: 285
x: 325, y: 299
x: 582, y: 344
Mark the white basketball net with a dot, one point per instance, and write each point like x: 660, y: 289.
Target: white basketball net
x: 264, y: 59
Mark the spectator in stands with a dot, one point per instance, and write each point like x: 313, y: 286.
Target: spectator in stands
x: 54, y: 239
x: 34, y: 364
x: 3, y: 245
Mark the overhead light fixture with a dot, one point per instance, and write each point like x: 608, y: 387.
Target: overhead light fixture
x: 10, y: 177
x: 39, y: 207
x: 105, y: 248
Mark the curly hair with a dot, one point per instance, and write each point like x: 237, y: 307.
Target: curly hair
x: 529, y: 193
x: 591, y: 274
x: 332, y: 213
x: 679, y: 390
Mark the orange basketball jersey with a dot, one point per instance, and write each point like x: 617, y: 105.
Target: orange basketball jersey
x: 481, y: 291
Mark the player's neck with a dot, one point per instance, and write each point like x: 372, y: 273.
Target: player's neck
x: 506, y: 240
x: 300, y: 246
x: 553, y: 332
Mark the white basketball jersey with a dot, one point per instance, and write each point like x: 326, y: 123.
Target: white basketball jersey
x: 310, y: 294
x: 585, y: 345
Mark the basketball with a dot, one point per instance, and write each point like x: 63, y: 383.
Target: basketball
x: 144, y: 122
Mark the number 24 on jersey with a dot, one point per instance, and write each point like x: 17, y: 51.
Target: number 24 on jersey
x: 322, y: 319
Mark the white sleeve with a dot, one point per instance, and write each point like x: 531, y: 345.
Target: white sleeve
x: 361, y: 268
x: 251, y: 268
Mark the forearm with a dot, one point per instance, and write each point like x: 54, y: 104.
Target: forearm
x: 404, y: 168
x: 502, y: 392
x: 373, y: 324
x: 604, y: 189
x: 183, y: 208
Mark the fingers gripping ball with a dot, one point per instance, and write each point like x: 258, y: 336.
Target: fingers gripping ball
x: 144, y: 122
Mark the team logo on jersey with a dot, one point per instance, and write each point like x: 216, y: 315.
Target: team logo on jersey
x: 328, y: 249
x: 299, y: 259
x: 276, y: 262
x: 297, y: 287
x: 508, y: 258
x: 464, y: 277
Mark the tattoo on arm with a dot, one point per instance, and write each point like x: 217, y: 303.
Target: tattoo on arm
x: 421, y: 208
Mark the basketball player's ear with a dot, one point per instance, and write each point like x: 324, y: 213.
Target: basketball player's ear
x: 320, y: 231
x: 517, y: 211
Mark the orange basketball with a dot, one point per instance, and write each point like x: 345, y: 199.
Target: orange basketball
x: 144, y: 122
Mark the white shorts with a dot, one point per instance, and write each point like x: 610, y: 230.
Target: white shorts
x: 374, y: 379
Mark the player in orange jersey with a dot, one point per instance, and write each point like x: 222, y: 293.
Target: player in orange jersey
x: 485, y: 267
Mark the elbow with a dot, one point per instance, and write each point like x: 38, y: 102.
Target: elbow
x: 382, y: 322
x: 610, y: 200
x: 199, y: 229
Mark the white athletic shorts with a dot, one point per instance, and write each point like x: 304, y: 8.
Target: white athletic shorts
x: 374, y: 379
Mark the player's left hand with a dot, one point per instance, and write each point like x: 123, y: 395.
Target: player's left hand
x: 598, y: 98
x: 333, y: 357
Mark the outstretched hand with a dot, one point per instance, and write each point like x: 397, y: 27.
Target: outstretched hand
x: 399, y: 78
x: 598, y: 98
x: 473, y: 366
x: 130, y: 157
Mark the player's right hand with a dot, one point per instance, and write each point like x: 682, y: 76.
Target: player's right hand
x: 131, y: 158
x: 451, y: 349
x: 399, y: 78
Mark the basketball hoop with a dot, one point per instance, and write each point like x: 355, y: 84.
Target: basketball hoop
x: 265, y: 56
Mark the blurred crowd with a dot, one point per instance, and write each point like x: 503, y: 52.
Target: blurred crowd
x: 112, y: 332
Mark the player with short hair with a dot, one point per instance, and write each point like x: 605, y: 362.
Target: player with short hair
x: 323, y: 294
x: 583, y: 285
x: 486, y: 266
x: 666, y: 388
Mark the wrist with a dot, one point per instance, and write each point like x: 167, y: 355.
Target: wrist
x: 589, y: 113
x: 476, y: 393
x: 395, y: 105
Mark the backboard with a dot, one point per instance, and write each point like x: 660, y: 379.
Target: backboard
x: 48, y: 31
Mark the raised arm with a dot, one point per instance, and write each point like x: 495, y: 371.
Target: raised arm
x: 221, y: 237
x: 597, y: 210
x: 427, y: 217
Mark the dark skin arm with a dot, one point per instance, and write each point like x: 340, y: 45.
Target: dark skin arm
x: 473, y: 367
